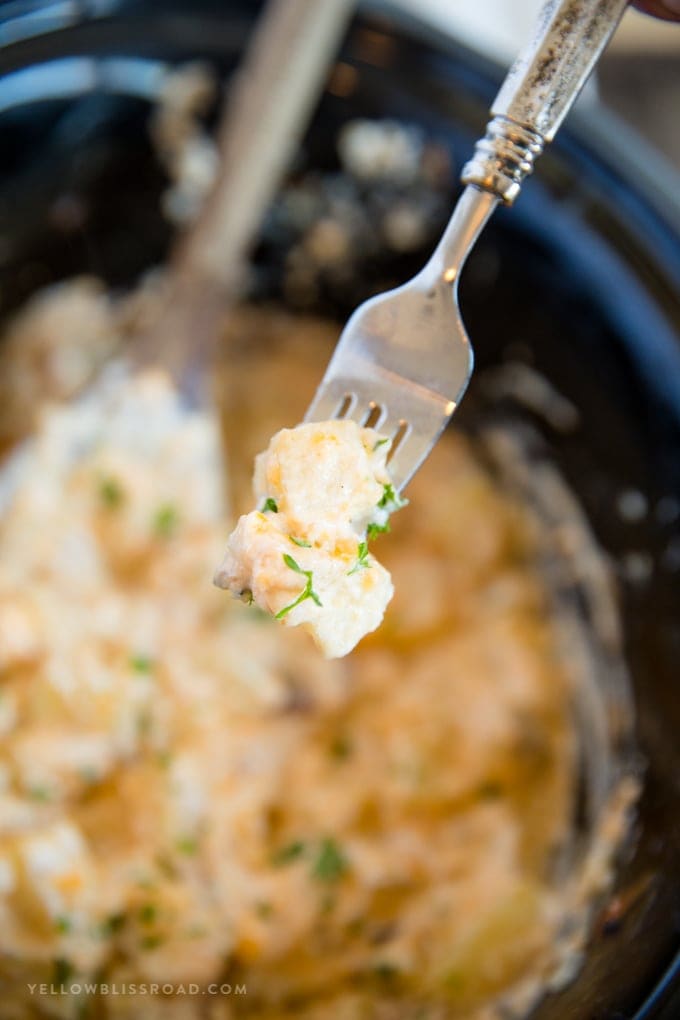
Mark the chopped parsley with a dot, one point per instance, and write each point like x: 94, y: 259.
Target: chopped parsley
x: 165, y: 520
x: 143, y: 723
x: 270, y: 504
x: 373, y: 530
x: 341, y: 747
x: 167, y: 868
x: 380, y: 442
x: 151, y: 942
x: 111, y: 493
x: 40, y: 793
x: 306, y: 593
x: 328, y: 904
x: 63, y: 925
x: 288, y: 853
x: 148, y: 913
x: 330, y: 864
x: 141, y: 663
x: 385, y: 971
x: 362, y: 559
x: 187, y: 845
x: 164, y: 758
x: 386, y: 505
x: 111, y: 925
x: 300, y: 541
x: 391, y: 500
x: 264, y: 909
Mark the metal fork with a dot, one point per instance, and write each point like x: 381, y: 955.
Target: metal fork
x: 404, y: 359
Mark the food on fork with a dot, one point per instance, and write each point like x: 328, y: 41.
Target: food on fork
x: 323, y: 490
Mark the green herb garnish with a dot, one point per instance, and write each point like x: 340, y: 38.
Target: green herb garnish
x: 143, y: 722
x: 328, y: 904
x: 151, y: 942
x: 270, y: 504
x: 63, y: 925
x: 111, y: 493
x: 288, y: 853
x: 165, y: 520
x: 385, y: 971
x: 40, y: 793
x: 391, y: 500
x: 148, y: 913
x: 330, y: 864
x: 247, y: 596
x: 306, y: 593
x: 187, y: 845
x: 388, y: 503
x: 341, y: 747
x: 380, y: 442
x: 362, y: 559
x: 166, y: 866
x: 141, y: 663
x: 300, y: 541
x: 111, y: 925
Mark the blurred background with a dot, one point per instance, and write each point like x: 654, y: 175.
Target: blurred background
x: 638, y: 77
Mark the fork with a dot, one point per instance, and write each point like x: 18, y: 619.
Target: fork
x: 404, y: 359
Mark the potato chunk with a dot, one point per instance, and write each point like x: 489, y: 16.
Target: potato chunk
x: 303, y: 554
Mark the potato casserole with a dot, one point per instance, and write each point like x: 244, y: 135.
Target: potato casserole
x: 189, y: 792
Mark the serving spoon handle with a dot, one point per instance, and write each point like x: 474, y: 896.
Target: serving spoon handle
x: 271, y: 100
x: 539, y: 91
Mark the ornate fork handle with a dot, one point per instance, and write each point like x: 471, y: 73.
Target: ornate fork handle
x: 539, y: 91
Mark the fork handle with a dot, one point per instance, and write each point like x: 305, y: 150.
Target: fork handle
x: 539, y: 91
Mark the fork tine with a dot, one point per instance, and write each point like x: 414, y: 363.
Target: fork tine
x: 350, y: 401
x: 409, y: 455
x: 368, y: 414
x: 412, y: 437
x: 404, y: 357
x: 414, y: 443
x: 327, y: 403
x: 415, y: 435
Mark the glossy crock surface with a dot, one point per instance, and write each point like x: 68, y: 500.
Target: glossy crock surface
x: 581, y: 280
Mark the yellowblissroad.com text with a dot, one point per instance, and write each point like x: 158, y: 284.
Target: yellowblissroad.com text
x: 134, y: 988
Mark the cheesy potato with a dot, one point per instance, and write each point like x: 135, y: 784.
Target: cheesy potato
x: 192, y: 795
x: 322, y: 489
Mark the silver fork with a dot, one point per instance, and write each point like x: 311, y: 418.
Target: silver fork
x: 404, y: 359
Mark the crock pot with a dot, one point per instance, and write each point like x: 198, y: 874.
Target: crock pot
x: 584, y: 274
